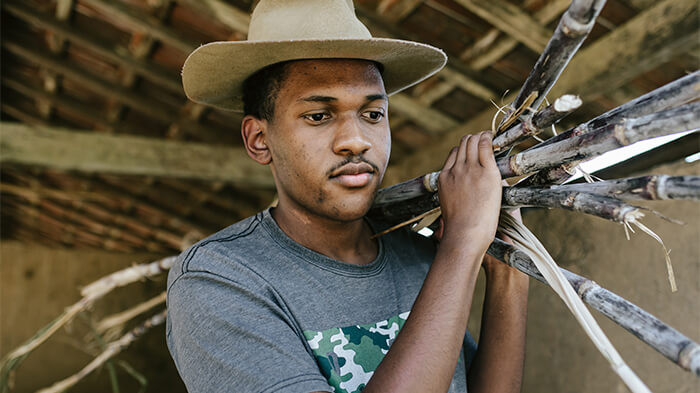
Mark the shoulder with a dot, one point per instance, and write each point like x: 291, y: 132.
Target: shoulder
x: 223, y: 253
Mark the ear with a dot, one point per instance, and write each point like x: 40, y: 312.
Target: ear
x: 253, y: 131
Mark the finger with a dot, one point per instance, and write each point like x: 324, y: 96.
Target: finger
x: 486, y: 157
x: 462, y: 154
x: 473, y: 149
x: 451, y: 159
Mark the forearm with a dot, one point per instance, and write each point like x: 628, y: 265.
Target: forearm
x: 498, y: 363
x: 424, y: 355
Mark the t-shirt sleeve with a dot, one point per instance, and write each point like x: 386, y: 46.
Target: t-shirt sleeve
x: 469, y: 348
x: 229, y: 337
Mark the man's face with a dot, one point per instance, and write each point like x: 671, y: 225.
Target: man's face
x: 329, y: 138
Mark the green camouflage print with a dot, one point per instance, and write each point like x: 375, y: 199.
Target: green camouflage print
x: 349, y: 355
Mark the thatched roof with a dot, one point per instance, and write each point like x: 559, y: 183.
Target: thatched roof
x: 111, y: 70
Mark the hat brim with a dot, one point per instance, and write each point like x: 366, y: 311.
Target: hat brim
x: 213, y: 74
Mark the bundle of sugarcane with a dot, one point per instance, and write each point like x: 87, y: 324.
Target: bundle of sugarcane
x: 670, y: 109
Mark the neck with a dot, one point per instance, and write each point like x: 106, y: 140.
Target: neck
x: 341, y: 240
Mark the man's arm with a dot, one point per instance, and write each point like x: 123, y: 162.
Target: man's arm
x: 424, y: 355
x: 498, y: 363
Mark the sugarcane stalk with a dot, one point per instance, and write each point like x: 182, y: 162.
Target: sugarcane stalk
x: 663, y: 338
x: 606, y: 138
x: 112, y: 349
x: 544, y: 118
x: 90, y: 293
x: 573, y: 28
x: 416, y: 187
x: 680, y: 91
x: 601, y: 199
x: 573, y: 149
x: 576, y: 199
x: 119, y: 319
x: 651, y: 188
x: 598, y: 205
x: 672, y: 94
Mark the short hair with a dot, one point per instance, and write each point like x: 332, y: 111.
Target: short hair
x: 260, y: 90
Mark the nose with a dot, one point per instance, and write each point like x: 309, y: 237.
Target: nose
x: 350, y: 139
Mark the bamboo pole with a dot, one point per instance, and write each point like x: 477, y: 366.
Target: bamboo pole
x: 544, y: 118
x: 663, y: 338
x: 603, y: 139
x: 573, y: 28
x: 678, y: 92
x: 112, y: 350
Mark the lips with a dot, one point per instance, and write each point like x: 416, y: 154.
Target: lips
x: 353, y: 175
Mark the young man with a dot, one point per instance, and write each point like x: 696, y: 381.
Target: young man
x: 299, y: 298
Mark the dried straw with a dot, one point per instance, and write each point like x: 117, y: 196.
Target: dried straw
x: 116, y: 321
x: 91, y: 293
x: 112, y: 349
x: 529, y: 244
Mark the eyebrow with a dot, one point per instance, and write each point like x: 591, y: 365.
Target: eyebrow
x: 371, y: 97
x: 318, y: 99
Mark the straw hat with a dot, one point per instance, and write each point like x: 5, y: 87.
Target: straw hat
x: 282, y: 30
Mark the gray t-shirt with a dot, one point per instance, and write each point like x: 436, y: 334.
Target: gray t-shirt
x: 250, y: 310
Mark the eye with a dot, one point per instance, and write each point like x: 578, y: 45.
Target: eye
x: 373, y: 116
x: 317, y: 117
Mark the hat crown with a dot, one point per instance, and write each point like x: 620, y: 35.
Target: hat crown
x: 284, y: 20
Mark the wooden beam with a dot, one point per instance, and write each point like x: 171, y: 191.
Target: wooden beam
x: 470, y: 83
x: 669, y: 23
x: 396, y: 10
x: 510, y: 19
x: 431, y: 120
x: 229, y: 15
x: 96, y: 191
x: 66, y: 149
x: 21, y: 114
x: 68, y: 103
x: 119, y: 11
x: 136, y: 101
x: 140, y: 47
x: 436, y: 92
x: 57, y: 44
x: 640, y: 4
x: 157, y: 74
x: 478, y: 60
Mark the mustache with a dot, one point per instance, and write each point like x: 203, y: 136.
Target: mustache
x: 353, y: 160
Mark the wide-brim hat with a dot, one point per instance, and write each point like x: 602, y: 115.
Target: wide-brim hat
x: 283, y: 30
